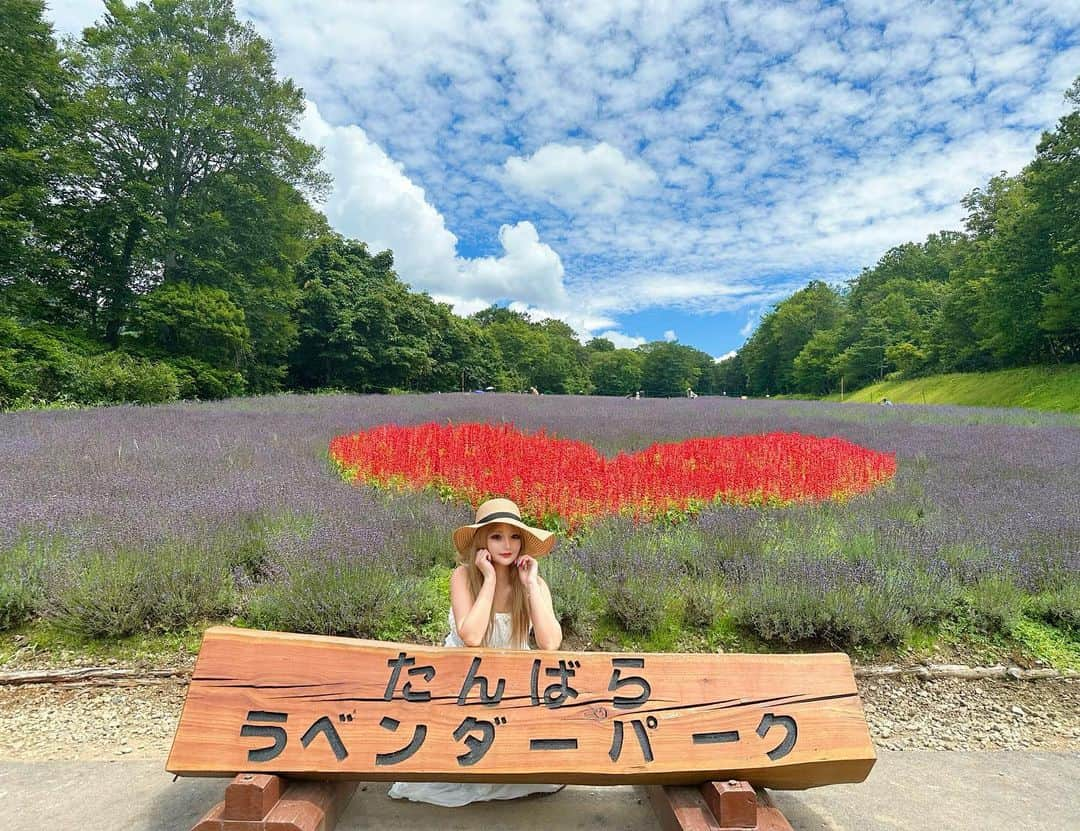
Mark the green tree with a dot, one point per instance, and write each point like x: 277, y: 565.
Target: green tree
x: 1061, y: 310
x: 669, y: 369
x: 769, y: 355
x: 730, y: 376
x: 566, y: 366
x: 179, y: 319
x: 600, y: 345
x: 760, y: 357
x: 193, y: 167
x: 954, y: 344
x: 1054, y: 184
x: 522, y: 347
x: 359, y: 328
x: 1013, y: 262
x: 616, y: 371
x: 546, y: 355
x: 33, y: 96
x: 813, y: 369
x: 465, y: 356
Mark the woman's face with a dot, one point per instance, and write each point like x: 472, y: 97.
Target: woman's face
x: 503, y: 543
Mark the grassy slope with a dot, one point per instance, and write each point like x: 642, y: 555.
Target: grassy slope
x: 1055, y: 388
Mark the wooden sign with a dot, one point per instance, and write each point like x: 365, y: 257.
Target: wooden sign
x: 304, y: 705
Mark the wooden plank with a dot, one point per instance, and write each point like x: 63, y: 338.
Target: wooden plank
x: 214, y: 819
x: 319, y: 707
x: 681, y: 808
x: 310, y: 806
x: 769, y: 817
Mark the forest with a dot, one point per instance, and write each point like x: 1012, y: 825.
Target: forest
x: 1003, y: 292
x: 160, y: 239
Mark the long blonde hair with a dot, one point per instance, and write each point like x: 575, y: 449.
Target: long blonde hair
x: 519, y: 603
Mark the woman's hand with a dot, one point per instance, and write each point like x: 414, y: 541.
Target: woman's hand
x: 528, y: 571
x: 483, y: 562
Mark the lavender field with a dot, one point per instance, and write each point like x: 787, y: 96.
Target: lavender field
x: 129, y: 519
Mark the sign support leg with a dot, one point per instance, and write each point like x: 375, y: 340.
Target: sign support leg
x: 262, y: 802
x: 731, y: 805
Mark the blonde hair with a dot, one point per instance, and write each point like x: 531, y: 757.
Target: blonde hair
x: 519, y: 603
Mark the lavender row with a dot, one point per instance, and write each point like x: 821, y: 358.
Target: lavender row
x: 193, y: 511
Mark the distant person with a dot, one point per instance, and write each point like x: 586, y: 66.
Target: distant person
x: 690, y: 393
x: 533, y: 391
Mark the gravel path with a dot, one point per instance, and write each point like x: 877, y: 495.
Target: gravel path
x: 137, y: 721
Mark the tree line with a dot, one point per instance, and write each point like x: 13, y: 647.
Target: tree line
x: 1004, y: 292
x: 158, y: 238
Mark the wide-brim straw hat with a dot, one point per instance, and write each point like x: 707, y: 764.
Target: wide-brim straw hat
x: 535, y: 543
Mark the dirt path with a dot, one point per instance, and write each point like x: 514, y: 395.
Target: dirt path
x: 137, y: 721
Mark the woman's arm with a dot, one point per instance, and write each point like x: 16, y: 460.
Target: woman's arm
x: 546, y: 626
x: 471, y: 616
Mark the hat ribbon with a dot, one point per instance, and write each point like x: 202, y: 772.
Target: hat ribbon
x: 498, y: 515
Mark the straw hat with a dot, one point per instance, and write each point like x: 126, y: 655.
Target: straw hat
x: 536, y: 542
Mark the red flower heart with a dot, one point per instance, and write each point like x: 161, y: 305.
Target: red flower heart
x: 550, y: 477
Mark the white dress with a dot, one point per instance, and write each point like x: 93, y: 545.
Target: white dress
x: 456, y: 794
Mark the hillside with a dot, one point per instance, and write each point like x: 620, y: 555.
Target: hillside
x: 1055, y: 388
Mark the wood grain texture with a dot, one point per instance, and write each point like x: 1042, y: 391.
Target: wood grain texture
x: 265, y: 702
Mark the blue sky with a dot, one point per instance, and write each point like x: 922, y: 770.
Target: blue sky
x: 658, y: 170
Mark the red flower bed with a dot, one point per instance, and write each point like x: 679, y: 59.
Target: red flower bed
x: 550, y: 477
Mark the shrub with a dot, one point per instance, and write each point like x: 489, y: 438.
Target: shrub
x: 336, y: 596
x: 847, y: 602
x: 427, y: 547
x: 183, y: 319
x: 36, y: 365
x: 20, y: 584
x: 704, y: 602
x: 197, y: 379
x: 571, y: 592
x: 638, y: 571
x: 98, y: 595
x: 638, y: 602
x: 730, y: 533
x: 1059, y: 607
x: 33, y: 364
x: 187, y: 586
x: 994, y: 603
x: 114, y: 594
x: 119, y: 377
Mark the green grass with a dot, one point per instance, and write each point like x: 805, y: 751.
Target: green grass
x: 1052, y: 388
x: 1059, y: 649
x: 65, y: 649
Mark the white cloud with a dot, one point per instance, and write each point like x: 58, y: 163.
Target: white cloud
x: 692, y: 160
x: 725, y: 356
x: 528, y: 271
x: 375, y: 201
x: 600, y: 179
x: 622, y: 341
x: 670, y: 336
